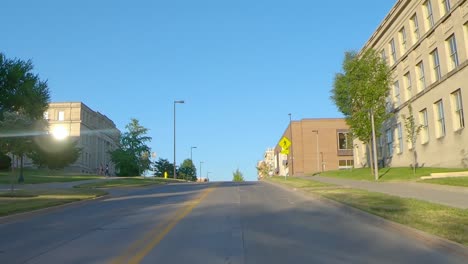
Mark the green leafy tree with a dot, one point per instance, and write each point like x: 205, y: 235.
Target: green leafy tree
x: 412, y: 132
x: 21, y: 90
x: 360, y: 93
x: 237, y: 176
x: 54, y: 154
x: 25, y: 95
x: 161, y: 166
x: 19, y: 133
x: 187, y: 171
x: 264, y: 169
x: 132, y: 156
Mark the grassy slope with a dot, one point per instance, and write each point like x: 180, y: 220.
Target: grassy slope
x: 454, y: 181
x: 43, y: 176
x: 444, y: 221
x: 386, y: 174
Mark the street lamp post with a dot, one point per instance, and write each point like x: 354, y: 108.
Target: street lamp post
x: 175, y: 102
x: 191, y: 148
x: 201, y: 162
x: 318, y: 153
x: 207, y: 176
x: 292, y: 143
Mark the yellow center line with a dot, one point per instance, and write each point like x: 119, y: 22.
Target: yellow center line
x: 140, y: 248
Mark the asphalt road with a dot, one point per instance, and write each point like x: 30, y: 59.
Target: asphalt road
x: 208, y: 223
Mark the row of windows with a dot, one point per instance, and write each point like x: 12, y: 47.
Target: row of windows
x: 444, y: 8
x: 439, y: 120
x: 60, y: 115
x: 421, y: 72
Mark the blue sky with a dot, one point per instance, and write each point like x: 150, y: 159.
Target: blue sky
x: 241, y: 66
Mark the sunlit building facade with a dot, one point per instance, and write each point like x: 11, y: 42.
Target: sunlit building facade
x: 425, y: 42
x: 95, y: 132
x: 317, y: 145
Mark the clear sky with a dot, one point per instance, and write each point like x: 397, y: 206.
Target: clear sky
x: 240, y: 65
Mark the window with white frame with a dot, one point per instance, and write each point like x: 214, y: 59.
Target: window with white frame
x: 389, y: 134
x: 396, y: 93
x: 459, y: 118
x: 393, y: 50
x: 415, y: 24
x: 403, y: 39
x: 61, y: 115
x: 440, y: 118
x: 383, y: 55
x: 345, y: 141
x: 453, y: 54
x: 424, y: 122
x: 407, y: 78
x: 429, y: 14
x: 435, y: 65
x: 421, y: 78
x: 400, y: 138
x: 445, y: 6
x: 46, y: 115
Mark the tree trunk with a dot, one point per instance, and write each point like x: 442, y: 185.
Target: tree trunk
x: 12, y: 189
x: 371, y: 156
x: 21, y: 177
x: 414, y: 162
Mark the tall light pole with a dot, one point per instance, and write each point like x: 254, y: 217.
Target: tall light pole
x: 191, y: 148
x: 201, y: 162
x: 207, y: 175
x: 292, y: 152
x: 318, y: 153
x: 175, y: 102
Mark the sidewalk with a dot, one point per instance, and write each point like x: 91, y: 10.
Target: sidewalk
x: 441, y: 194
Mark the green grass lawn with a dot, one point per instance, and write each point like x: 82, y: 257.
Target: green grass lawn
x: 127, y: 182
x: 44, y: 176
x: 22, y: 201
x: 444, y: 221
x: 453, y: 181
x: 386, y: 174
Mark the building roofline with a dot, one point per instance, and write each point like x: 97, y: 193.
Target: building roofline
x: 384, y: 24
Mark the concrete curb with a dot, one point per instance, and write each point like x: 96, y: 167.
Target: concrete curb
x: 426, y: 238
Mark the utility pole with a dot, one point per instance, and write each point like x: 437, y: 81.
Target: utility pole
x: 374, y: 147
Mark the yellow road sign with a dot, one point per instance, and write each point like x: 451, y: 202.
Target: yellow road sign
x: 285, y: 143
x: 285, y: 151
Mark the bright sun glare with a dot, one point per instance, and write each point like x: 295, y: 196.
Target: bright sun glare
x: 59, y: 132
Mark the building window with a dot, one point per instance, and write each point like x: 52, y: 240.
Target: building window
x: 424, y: 122
x: 436, y: 65
x: 46, y: 115
x: 446, y: 6
x: 452, y: 44
x: 459, y: 120
x: 400, y: 138
x: 383, y: 55
x: 345, y: 141
x: 421, y: 78
x: 389, y: 134
x: 61, y: 115
x: 393, y: 50
x: 409, y: 93
x: 403, y: 39
x: 414, y: 22
x: 396, y: 93
x: 440, y: 119
x: 429, y: 14
x: 345, y: 164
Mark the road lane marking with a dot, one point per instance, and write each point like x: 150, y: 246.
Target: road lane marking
x: 140, y: 248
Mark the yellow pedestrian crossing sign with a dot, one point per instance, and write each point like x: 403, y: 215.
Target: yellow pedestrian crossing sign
x: 285, y: 151
x: 285, y: 143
